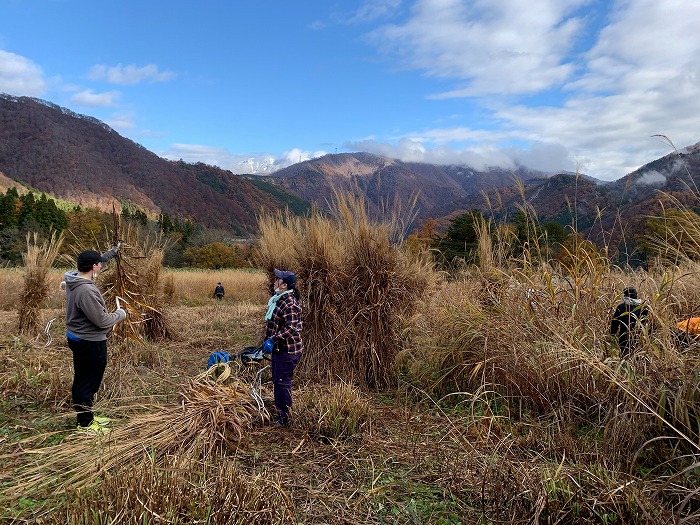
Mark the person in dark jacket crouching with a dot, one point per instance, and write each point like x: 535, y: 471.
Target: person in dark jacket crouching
x: 87, y: 325
x: 283, y: 340
x: 629, y: 317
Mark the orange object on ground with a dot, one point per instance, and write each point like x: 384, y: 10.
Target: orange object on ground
x: 691, y: 326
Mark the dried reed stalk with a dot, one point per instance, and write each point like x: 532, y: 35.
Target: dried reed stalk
x: 37, y: 262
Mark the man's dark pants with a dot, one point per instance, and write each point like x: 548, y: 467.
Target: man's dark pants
x: 283, y: 365
x: 89, y: 363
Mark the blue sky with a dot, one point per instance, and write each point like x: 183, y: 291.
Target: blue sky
x: 251, y: 85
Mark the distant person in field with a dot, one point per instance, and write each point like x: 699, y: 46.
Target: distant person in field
x: 219, y: 292
x: 283, y: 326
x: 87, y: 325
x: 627, y: 320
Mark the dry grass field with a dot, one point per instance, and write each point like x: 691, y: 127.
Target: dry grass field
x: 495, y: 396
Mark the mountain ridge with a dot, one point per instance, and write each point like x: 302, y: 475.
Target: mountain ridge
x: 80, y: 159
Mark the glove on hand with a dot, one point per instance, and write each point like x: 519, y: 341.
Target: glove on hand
x: 122, y: 310
x: 267, y: 346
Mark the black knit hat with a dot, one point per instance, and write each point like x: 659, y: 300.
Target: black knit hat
x: 630, y: 292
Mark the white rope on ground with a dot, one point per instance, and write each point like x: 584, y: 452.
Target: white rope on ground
x: 255, y: 387
x: 47, y: 331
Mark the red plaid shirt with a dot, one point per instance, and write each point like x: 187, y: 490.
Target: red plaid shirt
x: 284, y: 327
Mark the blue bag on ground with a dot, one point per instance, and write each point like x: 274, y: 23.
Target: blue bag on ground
x: 218, y: 357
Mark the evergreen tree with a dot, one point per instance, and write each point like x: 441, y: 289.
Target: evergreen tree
x: 460, y: 240
x: 9, y: 209
x: 26, y: 211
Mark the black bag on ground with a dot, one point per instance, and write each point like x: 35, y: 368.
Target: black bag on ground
x: 250, y: 354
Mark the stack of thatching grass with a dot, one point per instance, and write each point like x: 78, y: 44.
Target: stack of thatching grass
x: 360, y: 285
x: 135, y: 278
x: 37, y: 262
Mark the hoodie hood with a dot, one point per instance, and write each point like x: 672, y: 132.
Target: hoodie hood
x: 73, y: 281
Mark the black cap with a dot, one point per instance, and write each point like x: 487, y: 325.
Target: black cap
x: 89, y: 257
x: 287, y: 277
x: 630, y: 292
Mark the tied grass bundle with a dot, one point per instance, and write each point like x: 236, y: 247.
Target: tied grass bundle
x: 37, y: 262
x: 209, y: 417
x: 360, y: 287
x: 135, y: 277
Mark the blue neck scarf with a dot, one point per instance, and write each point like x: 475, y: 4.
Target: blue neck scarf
x: 273, y: 302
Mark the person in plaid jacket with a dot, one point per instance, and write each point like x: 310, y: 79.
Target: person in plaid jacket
x: 283, y: 341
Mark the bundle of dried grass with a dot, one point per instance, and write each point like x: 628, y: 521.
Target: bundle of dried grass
x: 37, y: 262
x: 360, y: 286
x: 335, y: 411
x: 321, y: 270
x: 211, y: 415
x: 136, y: 278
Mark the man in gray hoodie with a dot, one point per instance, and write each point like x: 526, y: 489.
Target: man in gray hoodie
x: 87, y: 325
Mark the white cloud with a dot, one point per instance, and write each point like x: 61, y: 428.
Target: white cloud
x: 121, y: 121
x: 490, y: 46
x: 639, y: 76
x: 20, y: 76
x: 88, y: 97
x: 645, y: 44
x: 129, y: 74
x: 236, y: 162
x: 373, y: 9
x: 544, y: 157
x: 408, y: 150
x: 652, y: 178
x: 298, y: 155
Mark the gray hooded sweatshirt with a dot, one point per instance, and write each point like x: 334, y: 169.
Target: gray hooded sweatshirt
x: 86, y: 311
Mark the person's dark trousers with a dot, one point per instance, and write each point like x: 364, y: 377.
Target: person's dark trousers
x: 283, y: 365
x: 89, y: 363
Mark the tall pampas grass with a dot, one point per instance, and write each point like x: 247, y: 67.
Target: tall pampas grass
x: 37, y: 262
x: 485, y: 244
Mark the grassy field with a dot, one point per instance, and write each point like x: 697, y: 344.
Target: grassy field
x: 489, y: 396
x: 190, y: 287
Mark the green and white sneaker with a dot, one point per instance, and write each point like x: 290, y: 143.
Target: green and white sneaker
x: 101, y: 420
x: 93, y: 428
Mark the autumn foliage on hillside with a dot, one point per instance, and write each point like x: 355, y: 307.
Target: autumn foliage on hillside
x: 82, y: 160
